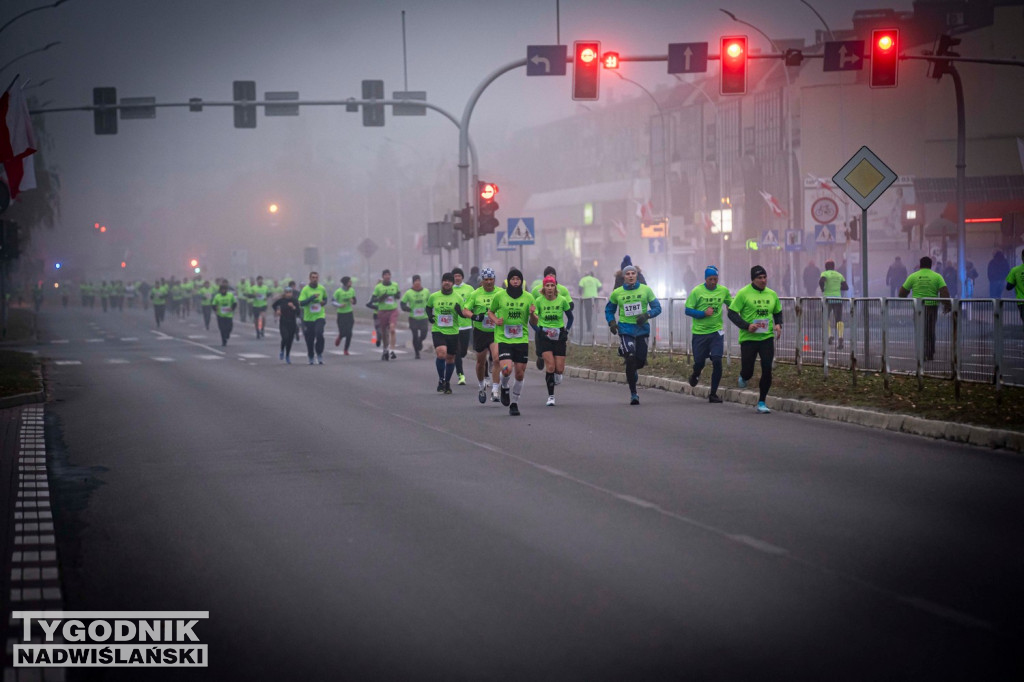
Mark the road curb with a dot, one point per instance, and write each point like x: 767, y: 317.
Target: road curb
x: 26, y: 398
x: 1011, y: 441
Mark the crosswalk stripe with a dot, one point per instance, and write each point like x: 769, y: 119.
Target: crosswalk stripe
x: 68, y: 362
x: 117, y: 361
x: 161, y: 359
x: 252, y: 356
x: 210, y: 357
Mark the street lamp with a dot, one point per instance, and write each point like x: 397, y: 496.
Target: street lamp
x: 30, y: 52
x: 30, y: 11
x: 789, y: 134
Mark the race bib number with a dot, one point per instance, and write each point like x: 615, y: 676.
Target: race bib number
x: 551, y: 332
x: 225, y: 309
x: 487, y: 324
x: 419, y: 312
x: 390, y: 300
x: 633, y: 309
x: 446, y: 320
x: 261, y: 297
x: 513, y: 331
x: 762, y: 324
x: 315, y: 307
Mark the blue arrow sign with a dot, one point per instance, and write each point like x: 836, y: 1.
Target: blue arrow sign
x: 546, y: 60
x: 844, y: 55
x: 687, y: 57
x: 520, y: 231
x: 656, y: 245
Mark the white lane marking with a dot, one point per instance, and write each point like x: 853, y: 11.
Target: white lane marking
x: 59, y: 341
x: 68, y: 362
x: 162, y: 359
x: 210, y: 357
x: 117, y: 361
x: 165, y: 337
x: 129, y: 338
x: 95, y: 340
x: 341, y: 352
x: 937, y: 610
x: 252, y: 356
x: 198, y: 336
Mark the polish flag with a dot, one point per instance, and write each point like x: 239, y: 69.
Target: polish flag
x: 17, y: 142
x: 644, y: 210
x: 823, y: 183
x: 773, y: 204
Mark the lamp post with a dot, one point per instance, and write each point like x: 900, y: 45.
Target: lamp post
x: 664, y: 181
x: 789, y: 134
x: 30, y: 52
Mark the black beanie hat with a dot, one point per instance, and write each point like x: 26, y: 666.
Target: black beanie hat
x: 756, y: 272
x: 514, y: 272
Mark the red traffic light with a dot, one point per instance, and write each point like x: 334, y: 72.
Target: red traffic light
x: 193, y: 262
x: 123, y: 265
x: 103, y: 228
x: 488, y: 190
x: 733, y: 55
x: 586, y: 70
x: 885, y: 48
x: 611, y: 60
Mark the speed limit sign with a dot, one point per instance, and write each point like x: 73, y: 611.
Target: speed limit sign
x: 825, y: 210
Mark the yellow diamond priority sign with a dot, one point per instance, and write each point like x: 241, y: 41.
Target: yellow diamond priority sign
x: 864, y: 178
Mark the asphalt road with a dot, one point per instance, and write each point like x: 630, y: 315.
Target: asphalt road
x: 346, y: 521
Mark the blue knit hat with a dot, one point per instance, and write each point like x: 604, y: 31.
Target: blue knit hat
x: 626, y: 261
x: 710, y: 271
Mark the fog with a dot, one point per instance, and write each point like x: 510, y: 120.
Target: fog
x: 189, y: 185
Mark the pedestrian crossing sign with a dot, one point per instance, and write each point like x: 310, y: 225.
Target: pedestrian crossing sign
x: 503, y: 244
x: 520, y: 231
x: 825, y: 234
x: 770, y: 238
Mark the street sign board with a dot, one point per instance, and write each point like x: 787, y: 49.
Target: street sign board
x: 502, y: 237
x: 864, y: 178
x: 367, y: 248
x: 824, y: 210
x: 654, y: 228
x: 138, y: 107
x: 656, y: 245
x: 844, y: 55
x: 825, y: 234
x: 687, y: 57
x: 794, y: 240
x: 520, y: 231
x: 770, y: 238
x: 546, y: 60
x: 441, y: 235
x: 281, y: 109
x: 409, y: 109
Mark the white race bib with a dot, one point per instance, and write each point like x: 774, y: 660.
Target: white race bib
x: 513, y: 331
x: 763, y: 325
x: 551, y: 333
x: 419, y: 312
x: 315, y: 307
x: 487, y: 324
x: 390, y: 300
x: 225, y: 309
x: 446, y: 320
x: 261, y: 297
x: 633, y: 309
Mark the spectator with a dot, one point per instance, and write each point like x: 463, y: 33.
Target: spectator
x: 998, y: 269
x: 949, y: 274
x: 619, y: 279
x: 896, y: 276
x: 811, y: 277
x: 972, y: 274
x: 926, y: 283
x: 589, y: 288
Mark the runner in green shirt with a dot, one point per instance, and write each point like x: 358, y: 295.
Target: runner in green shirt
x: 158, y: 295
x: 224, y: 304
x: 832, y: 285
x: 344, y: 299
x: 757, y: 311
x: 484, y: 345
x: 536, y: 292
x: 313, y: 298
x: 510, y: 312
x: 259, y: 295
x: 414, y: 302
x: 552, y: 319
x: 635, y: 304
x: 465, y: 324
x: 926, y: 283
x: 206, y: 292
x: 386, y: 298
x: 704, y: 305
x: 1015, y: 283
x: 589, y: 288
x: 442, y: 308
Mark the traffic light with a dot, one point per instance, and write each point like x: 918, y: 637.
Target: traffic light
x: 373, y: 114
x: 938, y: 68
x: 610, y: 60
x: 245, y: 114
x: 104, y: 122
x: 486, y: 191
x: 885, y: 51
x: 733, y: 55
x: 124, y: 265
x: 586, y: 70
x: 464, y: 222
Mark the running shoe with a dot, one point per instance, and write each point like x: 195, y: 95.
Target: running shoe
x: 513, y: 410
x: 288, y: 359
x: 280, y: 356
x: 693, y: 380
x: 462, y: 380
x: 417, y: 355
x: 311, y: 361
x: 393, y: 356
x: 742, y: 382
x: 447, y: 388
x: 385, y: 356
x: 762, y: 408
x: 346, y: 352
x: 337, y: 341
x: 506, y: 397
x: 634, y: 399
x: 551, y: 401
x: 713, y: 398
x: 319, y: 359
x: 482, y: 396
x: 494, y: 396
x: 440, y: 387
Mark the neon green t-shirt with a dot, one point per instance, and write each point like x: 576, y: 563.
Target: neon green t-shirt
x: 464, y: 290
x: 756, y: 307
x: 925, y: 283
x: 444, y: 312
x: 833, y: 283
x: 417, y: 300
x: 701, y: 298
x: 551, y: 314
x: 223, y: 304
x: 589, y: 286
x: 479, y: 302
x: 259, y: 293
x: 1016, y: 278
x: 314, y: 310
x: 515, y: 315
x: 343, y: 299
x: 632, y: 302
x: 386, y: 296
x: 206, y: 294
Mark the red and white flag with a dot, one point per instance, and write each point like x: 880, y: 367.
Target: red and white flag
x: 644, y: 210
x: 773, y: 204
x: 823, y: 183
x: 17, y: 142
x: 619, y: 227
